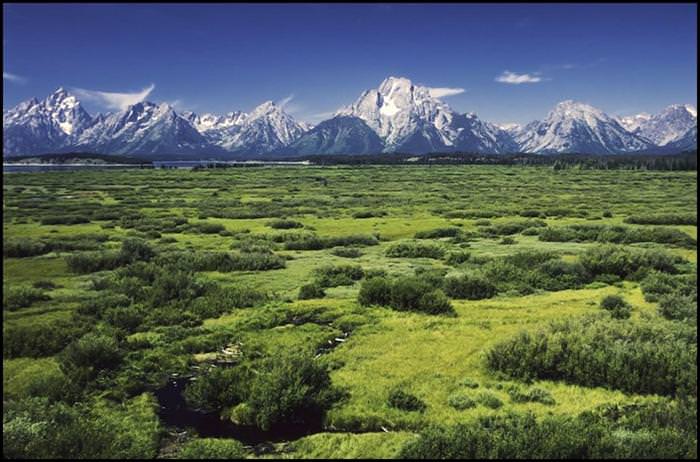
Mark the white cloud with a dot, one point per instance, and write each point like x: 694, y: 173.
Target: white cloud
x: 517, y: 79
x: 114, y: 100
x: 13, y: 77
x: 284, y: 101
x: 440, y: 92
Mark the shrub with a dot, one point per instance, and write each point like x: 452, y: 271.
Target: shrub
x: 415, y: 250
x: 341, y: 275
x: 438, y: 233
x: 470, y: 287
x: 40, y: 339
x: 460, y: 401
x: 679, y: 307
x: 457, y: 258
x: 617, y: 306
x: 290, y: 388
x: 136, y: 250
x: 489, y: 400
x: 347, y: 252
x: 284, y: 224
x: 21, y: 248
x: 369, y: 214
x: 90, y: 262
x: 313, y: 290
x: 212, y: 448
x: 617, y: 260
x: 531, y: 395
x: 400, y: 399
x: 16, y: 297
x: 663, y: 219
x: 64, y: 219
x: 635, y: 357
x: 86, y: 357
x: 507, y: 241
x: 435, y: 302
x: 375, y: 291
x: 626, y: 433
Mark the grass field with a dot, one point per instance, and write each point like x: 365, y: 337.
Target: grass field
x: 284, y: 228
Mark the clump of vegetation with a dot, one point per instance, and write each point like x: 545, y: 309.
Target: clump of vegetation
x: 489, y: 400
x: 438, y: 233
x: 290, y: 388
x: 617, y: 306
x: 637, y: 357
x: 284, y: 224
x: 347, y: 252
x: 400, y: 399
x: 410, y: 249
x: 369, y: 214
x: 404, y: 294
x: 458, y: 257
x: 461, y: 401
x: 663, y: 219
x: 469, y: 286
x: 606, y: 432
x: 212, y: 448
x: 341, y: 275
x: 16, y: 297
x: 64, y: 219
x: 617, y: 234
x: 311, y: 290
x: 531, y: 395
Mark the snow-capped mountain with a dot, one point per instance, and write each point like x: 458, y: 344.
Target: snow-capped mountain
x: 44, y: 126
x: 666, y: 127
x: 574, y: 127
x: 398, y: 116
x: 409, y: 119
x: 145, y: 129
x: 265, y: 129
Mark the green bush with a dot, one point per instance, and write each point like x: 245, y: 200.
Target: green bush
x: 400, y: 399
x: 86, y: 357
x: 663, y: 219
x: 457, y: 258
x: 531, y: 395
x: 470, y: 287
x: 16, y: 297
x: 340, y: 275
x: 489, y: 400
x: 312, y: 290
x: 212, y: 448
x: 460, y: 401
x: 290, y: 388
x: 642, y: 357
x: 617, y: 306
x: 91, y: 262
x: 284, y: 224
x: 438, y: 233
x: 64, y: 219
x: 415, y: 250
x: 347, y: 252
x: 22, y: 248
x: 375, y: 291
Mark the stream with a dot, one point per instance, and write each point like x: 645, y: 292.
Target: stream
x: 174, y: 412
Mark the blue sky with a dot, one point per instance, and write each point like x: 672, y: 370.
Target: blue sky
x: 218, y: 58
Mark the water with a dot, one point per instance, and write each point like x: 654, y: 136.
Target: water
x: 177, y: 164
x: 174, y: 412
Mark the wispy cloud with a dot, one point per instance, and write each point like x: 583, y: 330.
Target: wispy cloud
x: 115, y: 100
x: 441, y: 92
x: 13, y: 78
x: 516, y: 79
x: 289, y: 107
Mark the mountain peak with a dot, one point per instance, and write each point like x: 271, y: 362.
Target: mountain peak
x: 392, y: 84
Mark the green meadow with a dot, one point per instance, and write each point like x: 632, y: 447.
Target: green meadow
x: 381, y: 312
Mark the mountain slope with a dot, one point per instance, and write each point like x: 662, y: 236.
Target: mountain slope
x: 339, y: 135
x: 666, y: 127
x: 573, y: 127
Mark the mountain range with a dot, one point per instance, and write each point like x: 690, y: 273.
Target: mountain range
x: 398, y: 116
